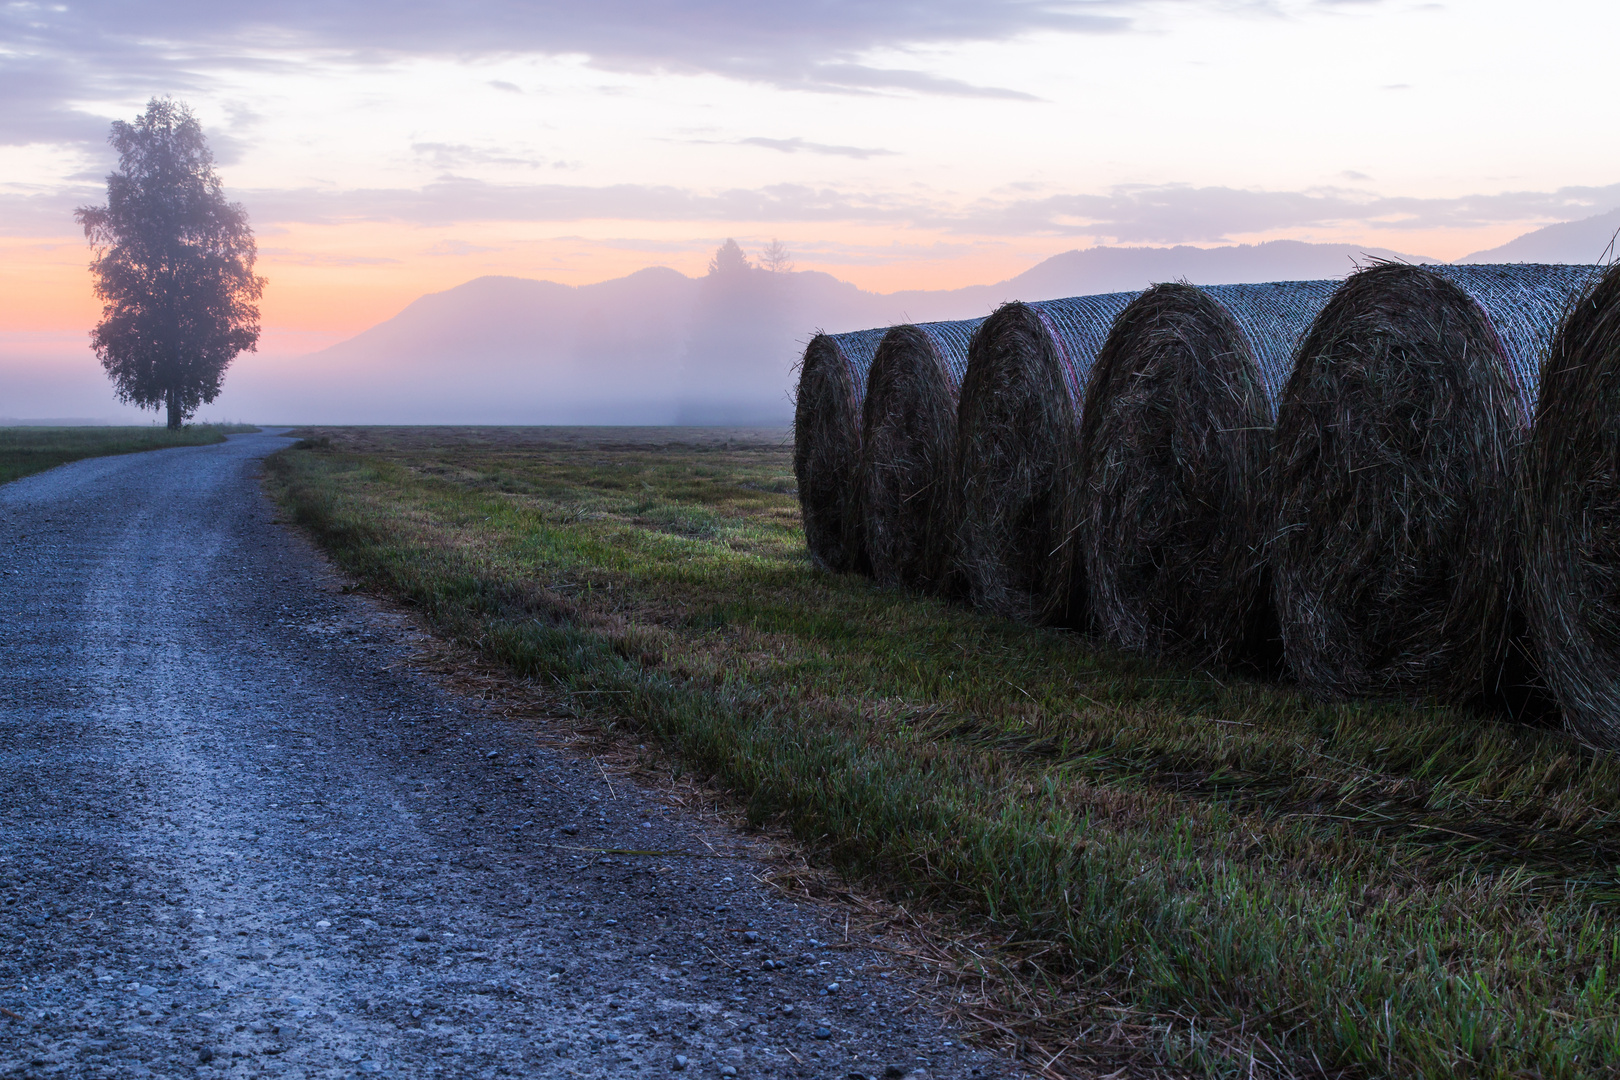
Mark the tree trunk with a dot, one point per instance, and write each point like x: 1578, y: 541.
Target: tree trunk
x: 174, y: 411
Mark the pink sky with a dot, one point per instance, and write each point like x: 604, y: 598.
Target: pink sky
x: 891, y: 146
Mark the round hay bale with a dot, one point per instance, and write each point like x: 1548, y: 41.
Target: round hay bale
x: 1397, y: 442
x: 827, y: 442
x: 1015, y: 482
x: 908, y: 433
x: 1175, y: 440
x: 1571, y: 517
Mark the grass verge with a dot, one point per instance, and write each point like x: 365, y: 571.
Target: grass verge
x: 1236, y: 878
x: 27, y: 450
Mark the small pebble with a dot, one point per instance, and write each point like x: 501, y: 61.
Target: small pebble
x: 727, y: 1070
x: 493, y: 754
x: 823, y: 1033
x: 570, y: 829
x: 832, y: 988
x: 680, y: 1062
x: 751, y: 935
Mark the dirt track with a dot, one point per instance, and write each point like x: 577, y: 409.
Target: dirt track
x: 238, y: 839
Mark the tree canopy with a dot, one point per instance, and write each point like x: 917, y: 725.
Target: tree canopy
x: 729, y: 259
x: 173, y: 266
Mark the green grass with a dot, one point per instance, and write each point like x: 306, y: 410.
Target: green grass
x: 1257, y: 880
x: 27, y: 450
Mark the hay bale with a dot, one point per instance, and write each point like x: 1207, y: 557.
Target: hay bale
x: 1397, y: 440
x: 1015, y: 481
x: 908, y: 433
x: 1571, y: 517
x: 1175, y: 440
x: 827, y: 443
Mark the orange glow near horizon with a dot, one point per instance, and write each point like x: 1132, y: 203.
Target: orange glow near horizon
x: 337, y: 280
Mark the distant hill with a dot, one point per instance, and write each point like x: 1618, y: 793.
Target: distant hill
x: 1584, y: 241
x: 658, y: 347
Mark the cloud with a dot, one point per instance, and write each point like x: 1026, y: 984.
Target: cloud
x: 458, y: 155
x: 859, y: 77
x: 457, y: 199
x: 502, y: 84
x: 306, y: 258
x: 55, y: 56
x: 1182, y: 213
x: 457, y: 248
x: 1136, y: 214
x: 45, y: 213
x: 794, y: 145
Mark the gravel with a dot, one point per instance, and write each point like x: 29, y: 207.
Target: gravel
x: 239, y: 837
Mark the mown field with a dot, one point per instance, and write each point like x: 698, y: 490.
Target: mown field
x: 1207, y: 873
x: 27, y: 450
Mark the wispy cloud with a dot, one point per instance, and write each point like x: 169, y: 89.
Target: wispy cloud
x: 57, y: 56
x: 1138, y: 214
x: 308, y: 258
x: 795, y: 145
x: 457, y: 248
x: 1183, y: 213
x: 459, y: 155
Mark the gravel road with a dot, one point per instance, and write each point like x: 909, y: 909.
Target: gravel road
x: 238, y: 838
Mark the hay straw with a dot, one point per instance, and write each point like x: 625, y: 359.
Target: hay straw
x: 826, y: 445
x: 1397, y: 440
x: 908, y: 433
x: 1571, y: 517
x: 1175, y: 439
x: 1015, y: 482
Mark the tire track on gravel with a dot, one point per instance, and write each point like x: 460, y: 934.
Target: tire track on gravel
x: 236, y: 841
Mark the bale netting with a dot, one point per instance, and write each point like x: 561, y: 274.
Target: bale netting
x: 826, y: 445
x: 1174, y: 441
x: 1571, y: 517
x: 1015, y: 478
x: 908, y: 433
x: 1398, y: 436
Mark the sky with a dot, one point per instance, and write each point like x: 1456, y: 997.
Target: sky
x: 386, y: 150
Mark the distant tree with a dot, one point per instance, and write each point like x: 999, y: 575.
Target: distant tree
x: 776, y: 258
x: 729, y: 259
x: 173, y: 266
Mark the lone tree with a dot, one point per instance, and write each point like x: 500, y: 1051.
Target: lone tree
x: 173, y: 264
x: 776, y: 258
x: 729, y: 259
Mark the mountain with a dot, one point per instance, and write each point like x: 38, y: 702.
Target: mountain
x: 1586, y: 241
x: 658, y: 347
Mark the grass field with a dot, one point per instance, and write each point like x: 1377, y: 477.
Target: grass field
x: 1206, y: 872
x: 26, y: 450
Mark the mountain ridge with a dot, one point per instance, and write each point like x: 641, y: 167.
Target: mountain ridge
x: 657, y: 346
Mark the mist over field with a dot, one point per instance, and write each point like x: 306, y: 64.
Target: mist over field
x: 657, y: 346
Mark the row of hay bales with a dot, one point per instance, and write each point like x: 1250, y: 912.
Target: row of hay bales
x: 1403, y: 485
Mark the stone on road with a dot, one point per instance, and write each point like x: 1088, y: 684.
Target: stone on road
x: 238, y: 839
